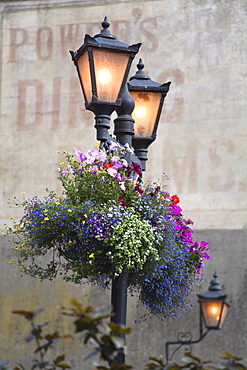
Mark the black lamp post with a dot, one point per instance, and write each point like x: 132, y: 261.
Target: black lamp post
x: 103, y: 64
x: 213, y: 309
x: 149, y: 98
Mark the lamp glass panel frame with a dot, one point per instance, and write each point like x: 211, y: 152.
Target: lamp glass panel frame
x: 83, y: 68
x: 102, y: 73
x: 110, y: 69
x: 146, y: 111
x: 214, y: 313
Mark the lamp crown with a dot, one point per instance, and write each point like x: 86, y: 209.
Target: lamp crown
x: 215, y: 283
x: 105, y: 24
x: 105, y: 33
x: 140, y: 74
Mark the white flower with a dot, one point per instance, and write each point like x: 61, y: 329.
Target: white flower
x: 122, y: 186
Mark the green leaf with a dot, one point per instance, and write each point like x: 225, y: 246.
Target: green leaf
x: 228, y: 354
x: 117, y: 341
x: 59, y: 359
x: 64, y: 366
x: 195, y: 358
x: 76, y: 304
x: 160, y: 362
x: 51, y: 337
x: 119, y: 329
x: 29, y: 315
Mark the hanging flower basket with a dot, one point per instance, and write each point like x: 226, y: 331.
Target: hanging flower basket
x: 107, y: 221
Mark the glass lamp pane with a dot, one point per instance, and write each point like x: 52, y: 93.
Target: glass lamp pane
x: 84, y: 72
x: 223, y: 315
x: 212, y: 313
x: 110, y: 68
x: 145, y: 112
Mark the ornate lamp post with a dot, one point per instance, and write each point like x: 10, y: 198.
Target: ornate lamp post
x: 213, y: 309
x: 103, y: 64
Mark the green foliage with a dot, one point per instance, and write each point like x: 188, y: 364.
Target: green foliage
x: 106, y: 338
x: 43, y: 343
x: 192, y: 362
x: 108, y: 343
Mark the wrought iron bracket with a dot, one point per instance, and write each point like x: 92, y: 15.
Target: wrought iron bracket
x: 185, y: 339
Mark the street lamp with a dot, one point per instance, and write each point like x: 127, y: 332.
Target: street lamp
x: 149, y: 98
x: 103, y: 64
x: 213, y: 309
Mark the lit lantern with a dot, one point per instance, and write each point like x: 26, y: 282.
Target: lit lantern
x: 103, y: 64
x: 214, y: 305
x: 149, y: 98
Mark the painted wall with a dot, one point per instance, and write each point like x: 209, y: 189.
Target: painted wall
x: 198, y: 45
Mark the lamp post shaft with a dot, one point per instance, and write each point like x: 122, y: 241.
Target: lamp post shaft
x: 119, y: 306
x: 124, y: 131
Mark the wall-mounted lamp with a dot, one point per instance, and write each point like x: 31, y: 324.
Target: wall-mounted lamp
x: 213, y: 309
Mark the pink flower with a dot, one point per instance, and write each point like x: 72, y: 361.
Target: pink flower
x: 203, y: 245
x: 176, y: 209
x: 138, y: 188
x: 137, y: 168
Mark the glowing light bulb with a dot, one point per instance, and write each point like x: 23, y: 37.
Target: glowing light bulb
x: 214, y: 310
x: 104, y: 76
x: 140, y: 112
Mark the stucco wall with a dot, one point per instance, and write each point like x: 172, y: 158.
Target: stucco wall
x: 198, y: 45
x: 148, y: 338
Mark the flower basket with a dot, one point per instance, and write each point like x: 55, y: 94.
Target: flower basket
x: 107, y: 221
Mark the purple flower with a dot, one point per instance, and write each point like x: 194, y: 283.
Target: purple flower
x: 113, y: 145
x: 81, y: 156
x: 116, y: 160
x: 93, y: 169
x: 112, y: 171
x: 128, y: 148
x: 205, y: 255
x: 119, y: 177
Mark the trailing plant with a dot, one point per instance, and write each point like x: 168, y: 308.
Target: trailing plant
x: 107, y: 221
